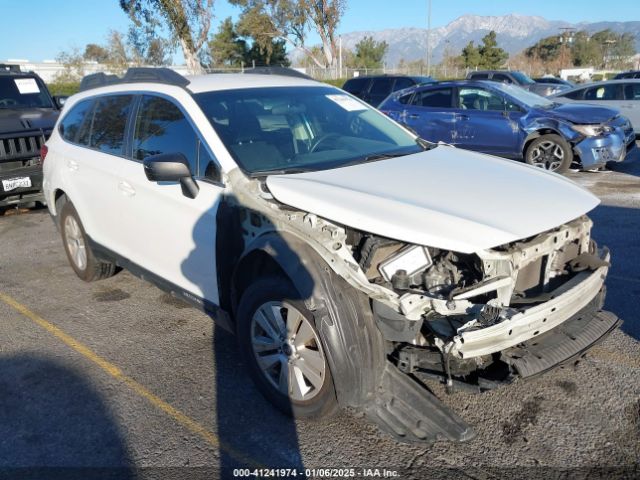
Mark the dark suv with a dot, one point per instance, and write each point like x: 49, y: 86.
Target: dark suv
x: 375, y: 89
x: 27, y: 115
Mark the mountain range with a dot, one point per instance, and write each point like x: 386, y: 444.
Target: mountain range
x: 514, y: 33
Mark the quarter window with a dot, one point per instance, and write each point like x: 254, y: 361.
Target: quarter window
x: 402, y: 83
x: 110, y: 123
x: 76, y: 120
x: 162, y: 128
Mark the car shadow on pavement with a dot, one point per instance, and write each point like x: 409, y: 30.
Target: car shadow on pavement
x: 618, y: 228
x: 630, y: 166
x: 55, y: 425
x: 252, y: 433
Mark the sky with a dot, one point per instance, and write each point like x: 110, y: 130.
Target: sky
x: 38, y: 30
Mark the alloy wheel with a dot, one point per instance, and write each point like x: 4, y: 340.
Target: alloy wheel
x: 547, y: 155
x: 75, y: 242
x: 288, y: 350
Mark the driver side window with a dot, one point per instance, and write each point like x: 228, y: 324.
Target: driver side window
x: 162, y: 128
x: 480, y: 99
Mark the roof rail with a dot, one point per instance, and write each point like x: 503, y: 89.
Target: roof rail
x: 6, y: 67
x: 284, y: 71
x: 135, y: 75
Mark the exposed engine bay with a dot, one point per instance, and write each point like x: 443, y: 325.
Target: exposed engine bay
x: 456, y: 299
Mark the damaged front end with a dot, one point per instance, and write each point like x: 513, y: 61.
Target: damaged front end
x: 481, y: 319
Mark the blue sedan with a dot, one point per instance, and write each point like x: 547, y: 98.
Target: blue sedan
x: 508, y: 121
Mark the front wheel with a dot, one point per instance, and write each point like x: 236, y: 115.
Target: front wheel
x: 283, y: 350
x: 550, y: 152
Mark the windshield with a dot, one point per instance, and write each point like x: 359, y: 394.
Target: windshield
x: 22, y: 92
x: 292, y: 129
x: 522, y: 78
x: 526, y: 97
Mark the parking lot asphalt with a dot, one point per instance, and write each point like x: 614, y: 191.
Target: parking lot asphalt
x: 117, y: 376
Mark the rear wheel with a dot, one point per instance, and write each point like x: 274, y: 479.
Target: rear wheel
x: 284, y: 351
x: 550, y: 152
x: 81, y: 257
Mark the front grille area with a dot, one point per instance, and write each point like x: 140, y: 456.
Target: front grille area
x: 15, y: 148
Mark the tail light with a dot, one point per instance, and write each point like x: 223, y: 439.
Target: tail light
x: 43, y: 153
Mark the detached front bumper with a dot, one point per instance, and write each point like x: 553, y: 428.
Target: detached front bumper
x: 528, y: 323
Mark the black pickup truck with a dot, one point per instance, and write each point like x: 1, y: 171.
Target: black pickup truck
x: 27, y: 115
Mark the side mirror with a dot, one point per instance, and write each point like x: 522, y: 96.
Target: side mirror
x: 171, y: 167
x: 60, y: 100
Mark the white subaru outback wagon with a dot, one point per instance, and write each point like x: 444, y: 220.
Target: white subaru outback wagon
x: 353, y: 260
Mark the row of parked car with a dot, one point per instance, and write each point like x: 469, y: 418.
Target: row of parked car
x: 546, y: 123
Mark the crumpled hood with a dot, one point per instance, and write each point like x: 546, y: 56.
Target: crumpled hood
x: 25, y: 120
x: 446, y: 198
x: 581, y: 113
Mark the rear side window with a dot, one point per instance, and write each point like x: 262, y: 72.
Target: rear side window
x: 77, y: 119
x: 632, y: 91
x: 355, y: 85
x: 436, y: 98
x: 381, y: 86
x: 402, y: 82
x: 161, y: 127
x: 110, y: 123
x: 499, y: 77
x: 479, y: 76
x: 603, y: 92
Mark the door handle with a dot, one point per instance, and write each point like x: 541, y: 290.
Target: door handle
x: 462, y: 117
x: 126, y: 189
x: 71, y: 165
x: 413, y: 116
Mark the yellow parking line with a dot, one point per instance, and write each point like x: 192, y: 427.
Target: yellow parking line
x: 115, y: 372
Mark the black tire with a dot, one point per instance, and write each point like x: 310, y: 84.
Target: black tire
x: 550, y: 152
x: 277, y: 289
x: 92, y: 269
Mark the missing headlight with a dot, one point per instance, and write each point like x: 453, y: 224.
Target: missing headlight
x: 412, y: 260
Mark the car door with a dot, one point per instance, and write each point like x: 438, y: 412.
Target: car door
x: 429, y: 113
x: 166, y: 233
x: 631, y: 106
x: 482, y: 122
x: 91, y: 170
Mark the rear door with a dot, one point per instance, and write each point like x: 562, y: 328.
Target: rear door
x: 91, y: 165
x: 632, y: 104
x: 430, y: 114
x: 482, y: 122
x: 166, y: 233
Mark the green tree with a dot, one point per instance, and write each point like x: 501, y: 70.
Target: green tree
x: 291, y: 21
x: 546, y: 49
x: 369, y: 53
x: 226, y: 48
x: 491, y: 55
x: 276, y: 54
x: 95, y: 53
x: 188, y: 21
x: 471, y: 56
